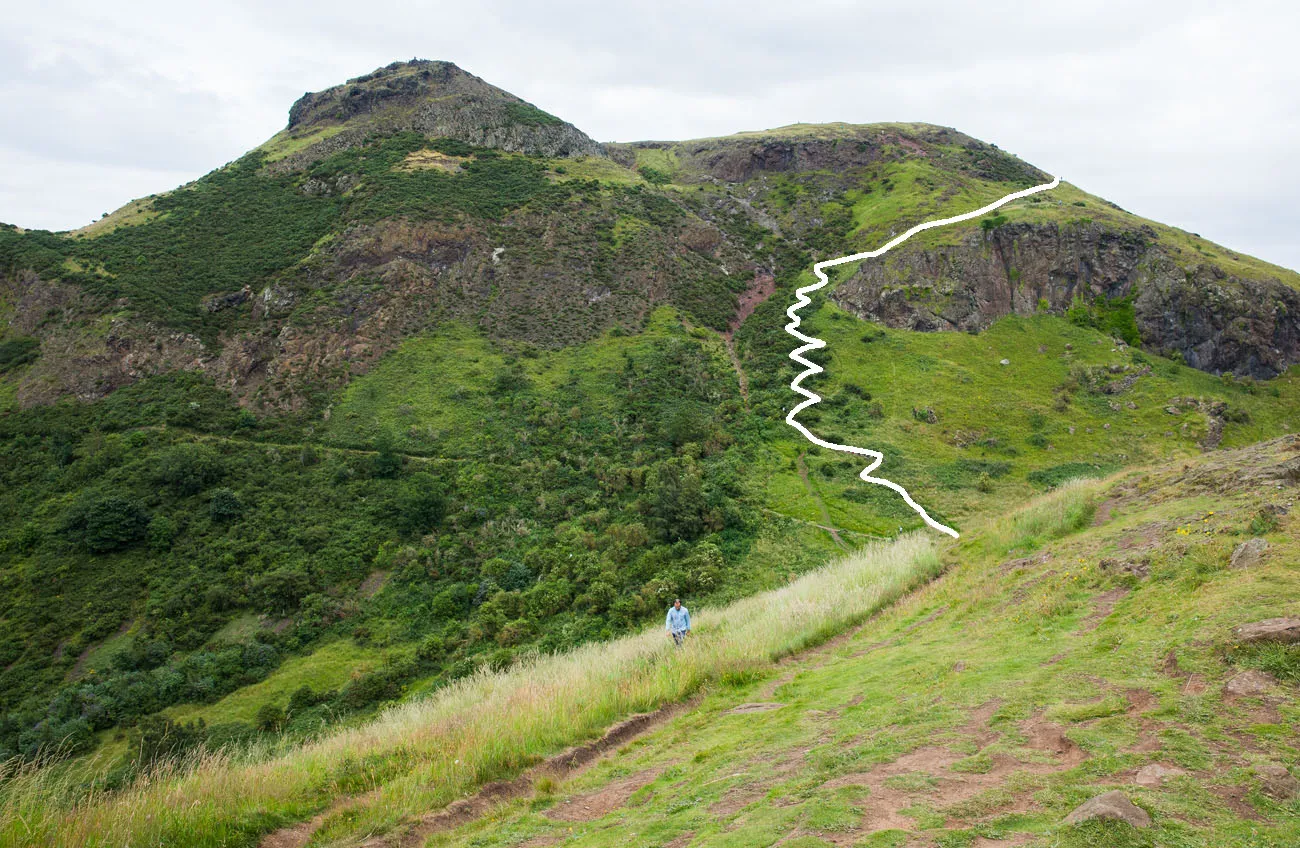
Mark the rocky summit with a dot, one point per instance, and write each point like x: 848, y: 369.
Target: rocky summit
x: 437, y: 99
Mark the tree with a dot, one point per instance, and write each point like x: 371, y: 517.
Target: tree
x: 225, y: 505
x: 270, y: 718
x: 420, y: 504
x: 675, y: 495
x: 188, y: 469
x: 282, y: 589
x: 158, y: 738
x: 387, y: 461
x: 104, y: 523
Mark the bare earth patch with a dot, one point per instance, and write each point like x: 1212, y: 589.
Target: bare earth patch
x: 943, y: 788
x: 464, y: 810
x: 758, y: 707
x: 1104, y: 606
x: 598, y: 804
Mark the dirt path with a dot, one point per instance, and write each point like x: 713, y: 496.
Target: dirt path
x: 735, y: 363
x: 841, y: 530
x: 559, y: 767
x: 763, y: 287
x: 829, y: 526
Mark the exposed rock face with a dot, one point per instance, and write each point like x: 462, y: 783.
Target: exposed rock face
x: 437, y: 99
x: 1284, y: 630
x: 1217, y: 322
x: 1112, y: 805
x: 378, y: 284
x: 836, y: 148
x: 85, y: 354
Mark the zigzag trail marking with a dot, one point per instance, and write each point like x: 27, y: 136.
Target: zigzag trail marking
x: 811, y: 344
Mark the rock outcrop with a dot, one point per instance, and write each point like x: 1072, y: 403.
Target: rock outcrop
x: 1277, y: 782
x: 1217, y: 322
x: 437, y: 99
x: 1113, y: 805
x: 1249, y: 683
x: 1248, y: 553
x: 1283, y: 630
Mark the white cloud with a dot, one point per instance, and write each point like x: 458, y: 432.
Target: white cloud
x: 1180, y: 111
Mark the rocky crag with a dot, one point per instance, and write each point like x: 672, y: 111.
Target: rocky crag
x: 1214, y: 320
x: 419, y: 192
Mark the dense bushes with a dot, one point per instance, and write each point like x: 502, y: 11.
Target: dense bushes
x: 176, y: 533
x: 104, y: 522
x: 188, y: 469
x: 1058, y: 474
x: 234, y: 227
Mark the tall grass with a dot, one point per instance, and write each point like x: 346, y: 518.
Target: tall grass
x: 1065, y: 509
x: 423, y: 754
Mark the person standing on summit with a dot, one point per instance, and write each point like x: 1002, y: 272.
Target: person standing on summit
x: 678, y: 622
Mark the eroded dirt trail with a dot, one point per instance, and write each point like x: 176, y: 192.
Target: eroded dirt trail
x: 562, y: 766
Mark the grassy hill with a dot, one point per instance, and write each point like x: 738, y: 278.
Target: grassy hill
x: 1041, y: 670
x: 414, y: 392
x: 1067, y: 646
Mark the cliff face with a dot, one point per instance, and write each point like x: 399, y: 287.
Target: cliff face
x: 1216, y: 321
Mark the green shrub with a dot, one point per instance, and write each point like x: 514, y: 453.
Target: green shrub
x: 654, y: 175
x: 270, y: 718
x: 17, y: 352
x: 224, y: 505
x: 529, y: 115
x: 156, y: 739
x: 1058, y: 474
x: 188, y: 469
x: 104, y: 523
x: 421, y: 504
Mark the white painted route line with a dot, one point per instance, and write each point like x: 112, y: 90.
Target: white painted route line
x: 811, y: 344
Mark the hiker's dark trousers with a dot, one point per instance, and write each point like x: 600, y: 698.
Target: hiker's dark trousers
x: 679, y: 636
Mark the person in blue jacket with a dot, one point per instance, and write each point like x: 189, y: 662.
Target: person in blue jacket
x: 678, y: 622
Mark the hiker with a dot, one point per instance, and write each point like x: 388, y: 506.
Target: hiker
x: 678, y: 622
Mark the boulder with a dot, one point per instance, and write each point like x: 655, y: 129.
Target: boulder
x: 1111, y: 805
x: 1249, y: 683
x: 1277, y: 782
x: 1284, y: 630
x: 1248, y: 553
x: 1156, y: 774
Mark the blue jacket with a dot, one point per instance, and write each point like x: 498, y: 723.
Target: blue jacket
x: 678, y: 620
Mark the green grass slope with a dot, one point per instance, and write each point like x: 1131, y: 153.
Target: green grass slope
x: 459, y: 405
x: 1072, y: 646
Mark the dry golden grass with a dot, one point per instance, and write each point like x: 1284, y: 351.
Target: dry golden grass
x: 423, y: 754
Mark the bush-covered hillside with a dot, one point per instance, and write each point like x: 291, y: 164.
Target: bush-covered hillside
x: 378, y: 405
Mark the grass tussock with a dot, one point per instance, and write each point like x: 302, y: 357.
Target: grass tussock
x: 425, y: 753
x: 1067, y: 508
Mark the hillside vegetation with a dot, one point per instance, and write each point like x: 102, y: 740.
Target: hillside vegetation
x: 431, y: 384
x: 1119, y: 598
x: 1083, y: 644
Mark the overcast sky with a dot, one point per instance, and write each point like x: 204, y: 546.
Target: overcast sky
x: 1186, y: 112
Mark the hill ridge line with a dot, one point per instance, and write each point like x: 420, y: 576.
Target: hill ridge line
x: 811, y: 343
